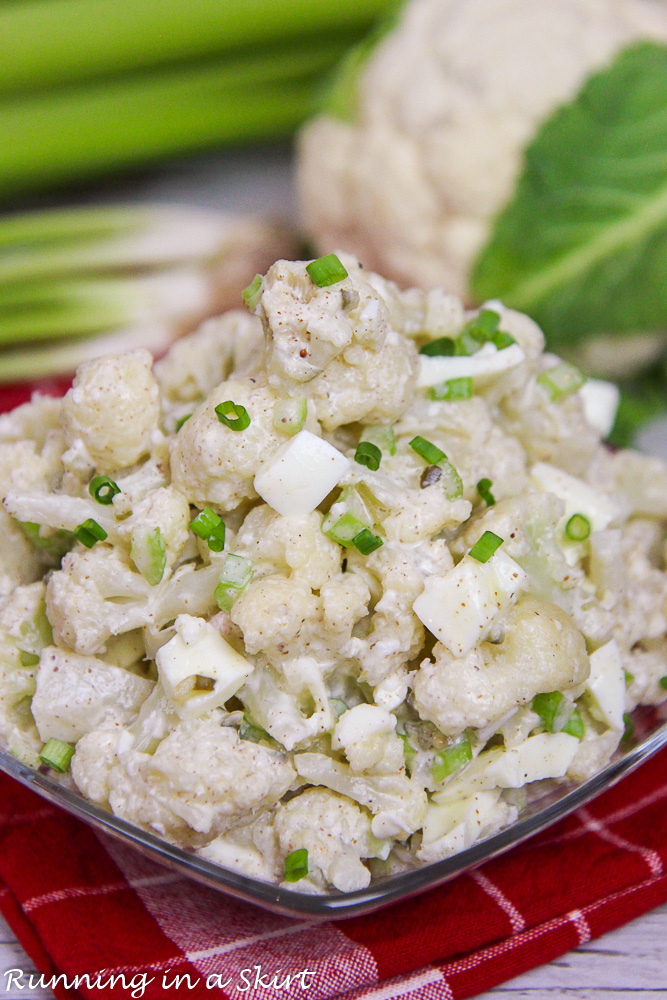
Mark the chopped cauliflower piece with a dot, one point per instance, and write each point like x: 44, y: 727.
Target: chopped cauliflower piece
x: 75, y: 694
x: 113, y: 407
x: 367, y: 736
x: 335, y: 832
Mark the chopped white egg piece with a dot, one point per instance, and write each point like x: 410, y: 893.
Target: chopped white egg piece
x: 579, y: 497
x: 300, y: 474
x: 457, y: 824
x: 600, y: 401
x: 547, y: 755
x: 198, y: 669
x: 606, y: 684
x: 486, y: 362
x: 460, y: 607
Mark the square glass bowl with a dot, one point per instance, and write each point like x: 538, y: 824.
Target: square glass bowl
x: 554, y: 802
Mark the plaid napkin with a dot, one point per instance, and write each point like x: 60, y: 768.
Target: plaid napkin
x: 80, y: 903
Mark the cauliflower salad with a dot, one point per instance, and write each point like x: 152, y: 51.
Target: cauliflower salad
x: 320, y: 594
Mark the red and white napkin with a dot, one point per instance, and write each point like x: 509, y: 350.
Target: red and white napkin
x: 81, y: 904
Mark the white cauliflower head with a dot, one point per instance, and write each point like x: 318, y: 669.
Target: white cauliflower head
x: 445, y: 106
x: 113, y: 408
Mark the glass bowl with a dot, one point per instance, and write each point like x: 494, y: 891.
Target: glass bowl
x: 553, y: 803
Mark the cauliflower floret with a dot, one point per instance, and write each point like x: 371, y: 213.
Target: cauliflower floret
x: 271, y: 613
x: 367, y: 736
x: 275, y: 543
x: 397, y: 803
x: 75, y: 694
x: 95, y: 595
x: 250, y: 848
x: 34, y: 420
x: 444, y: 108
x: 195, y: 365
x: 344, y: 602
x: 335, y: 832
x: 113, y: 407
x: 290, y: 700
x: 202, y: 777
x: 541, y: 651
x: 165, y: 509
x: 96, y: 753
x: 20, y: 562
x: 213, y: 465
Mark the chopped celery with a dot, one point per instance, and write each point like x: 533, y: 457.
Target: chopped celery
x: 561, y: 381
x: 57, y: 755
x: 149, y: 554
x: 289, y: 415
x: 235, y: 576
x: 451, y: 759
x: 382, y: 436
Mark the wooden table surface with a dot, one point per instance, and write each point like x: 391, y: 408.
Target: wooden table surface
x: 627, y: 964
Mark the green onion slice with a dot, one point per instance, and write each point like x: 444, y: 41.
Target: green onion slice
x: 578, y: 528
x: 451, y: 759
x: 252, y: 292
x: 326, y: 270
x: 181, y: 421
x: 451, y: 481
x: 629, y: 678
x: 382, y: 436
x: 149, y: 554
x: 57, y: 755
x: 663, y: 683
x: 233, y: 415
x: 429, y: 452
x: 485, y: 546
x: 561, y: 381
x: 366, y: 542
x: 211, y: 528
x: 103, y: 490
x: 235, y: 576
x: 369, y: 455
x: 90, y: 532
x: 501, y: 340
x: 249, y: 730
x: 443, y: 347
x: 345, y: 530
x: 296, y: 865
x: 629, y: 728
x: 574, y: 725
x: 484, y: 490
x: 548, y: 706
x: 289, y: 415
x: 477, y: 332
x: 409, y: 752
x: 27, y: 659
x: 452, y: 390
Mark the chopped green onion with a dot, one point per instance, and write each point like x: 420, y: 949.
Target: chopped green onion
x: 629, y: 678
x: 451, y: 481
x: 27, y: 659
x: 451, y: 759
x: 629, y: 728
x: 326, y: 270
x: 57, y: 755
x: 366, y: 542
x: 252, y: 292
x: 574, y: 725
x: 485, y: 546
x: 250, y: 731
x: 103, y: 490
x: 345, y: 530
x: 561, y: 381
x: 296, y: 865
x: 578, y: 528
x: 409, y: 752
x: 216, y: 539
x: 211, y: 528
x: 55, y: 543
x: 429, y: 452
x: 90, y: 532
x: 501, y: 340
x: 235, y: 576
x: 477, y: 332
x: 443, y: 347
x: 182, y: 420
x: 337, y: 707
x: 451, y: 390
x: 547, y: 706
x: 289, y: 415
x: 369, y: 455
x: 233, y: 415
x: 149, y: 554
x: 663, y: 683
x: 381, y: 435
x: 484, y: 490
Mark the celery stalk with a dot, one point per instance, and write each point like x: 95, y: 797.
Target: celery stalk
x: 50, y: 137
x: 53, y: 42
